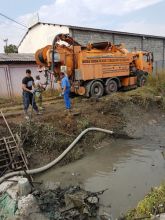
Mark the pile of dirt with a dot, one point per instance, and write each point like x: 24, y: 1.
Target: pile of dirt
x: 48, y: 135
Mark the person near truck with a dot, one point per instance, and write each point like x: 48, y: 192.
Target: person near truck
x: 28, y: 93
x: 65, y: 84
x: 39, y: 88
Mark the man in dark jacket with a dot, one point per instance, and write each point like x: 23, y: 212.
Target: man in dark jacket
x: 28, y: 93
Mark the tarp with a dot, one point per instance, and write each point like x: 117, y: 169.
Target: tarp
x: 7, y: 206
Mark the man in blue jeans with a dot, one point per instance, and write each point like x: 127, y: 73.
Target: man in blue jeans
x: 65, y: 84
x: 28, y: 93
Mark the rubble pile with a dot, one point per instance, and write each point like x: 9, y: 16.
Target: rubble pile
x: 70, y: 203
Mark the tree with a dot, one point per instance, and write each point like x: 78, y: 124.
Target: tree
x: 11, y: 49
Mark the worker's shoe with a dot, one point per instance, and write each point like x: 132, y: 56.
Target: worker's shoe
x: 27, y: 117
x: 41, y: 108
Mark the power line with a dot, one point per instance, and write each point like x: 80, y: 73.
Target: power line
x: 13, y: 20
x: 18, y: 27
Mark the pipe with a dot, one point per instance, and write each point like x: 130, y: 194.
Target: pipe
x: 49, y: 165
x: 53, y: 47
x: 63, y: 37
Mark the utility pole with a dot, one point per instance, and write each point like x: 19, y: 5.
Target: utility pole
x: 6, y: 41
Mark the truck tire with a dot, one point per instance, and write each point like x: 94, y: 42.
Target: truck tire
x: 142, y: 80
x: 111, y: 86
x: 96, y: 89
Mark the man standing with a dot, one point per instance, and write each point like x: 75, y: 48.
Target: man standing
x: 28, y: 95
x: 65, y: 84
x: 39, y: 88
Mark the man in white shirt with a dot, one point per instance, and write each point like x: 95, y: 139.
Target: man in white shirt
x: 39, y: 88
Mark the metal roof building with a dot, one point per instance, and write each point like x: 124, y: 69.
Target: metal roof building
x: 12, y: 70
x: 16, y: 57
x: 42, y: 34
x: 12, y: 66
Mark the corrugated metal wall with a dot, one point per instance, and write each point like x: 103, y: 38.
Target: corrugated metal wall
x: 11, y: 78
x: 4, y: 82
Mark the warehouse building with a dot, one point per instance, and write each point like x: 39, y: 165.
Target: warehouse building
x: 42, y: 34
x: 13, y: 66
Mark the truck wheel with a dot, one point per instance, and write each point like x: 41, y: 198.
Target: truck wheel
x: 97, y: 89
x: 141, y: 81
x: 111, y: 86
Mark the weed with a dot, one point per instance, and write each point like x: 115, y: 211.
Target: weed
x: 152, y: 204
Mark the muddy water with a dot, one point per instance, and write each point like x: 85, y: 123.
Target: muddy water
x: 126, y: 168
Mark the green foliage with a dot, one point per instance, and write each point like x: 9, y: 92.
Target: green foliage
x: 83, y: 123
x: 151, y: 94
x: 157, y: 83
x: 11, y: 49
x: 148, y: 206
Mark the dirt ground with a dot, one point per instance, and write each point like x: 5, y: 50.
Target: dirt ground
x: 48, y: 135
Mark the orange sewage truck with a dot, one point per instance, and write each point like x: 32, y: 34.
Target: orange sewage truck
x: 97, y: 68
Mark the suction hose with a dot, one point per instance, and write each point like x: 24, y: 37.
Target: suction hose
x: 49, y: 165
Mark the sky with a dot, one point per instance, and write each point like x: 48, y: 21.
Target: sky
x: 136, y: 16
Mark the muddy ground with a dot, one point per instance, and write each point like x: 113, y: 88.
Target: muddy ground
x: 48, y: 135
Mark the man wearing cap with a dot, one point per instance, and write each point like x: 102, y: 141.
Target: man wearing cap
x: 28, y: 93
x: 65, y: 84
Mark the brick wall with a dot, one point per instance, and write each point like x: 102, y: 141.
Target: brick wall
x: 84, y: 37
x: 140, y: 43
x: 131, y: 42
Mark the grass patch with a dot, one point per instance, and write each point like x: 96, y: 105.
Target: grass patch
x: 157, y: 83
x: 152, y: 204
x: 6, y: 102
x: 152, y: 93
